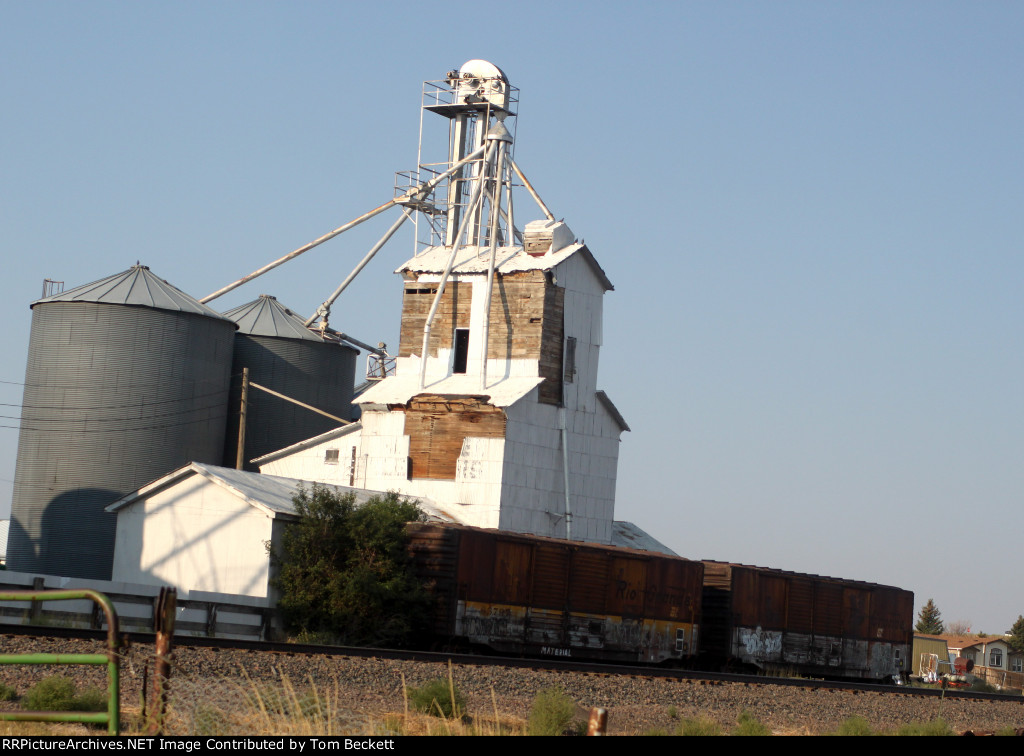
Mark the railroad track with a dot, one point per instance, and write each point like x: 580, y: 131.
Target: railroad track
x: 143, y: 640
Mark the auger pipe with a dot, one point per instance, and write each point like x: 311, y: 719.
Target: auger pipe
x: 421, y: 191
x: 531, y: 190
x: 325, y: 308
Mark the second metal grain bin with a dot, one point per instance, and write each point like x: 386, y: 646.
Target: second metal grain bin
x: 285, y: 356
x: 548, y: 597
x: 127, y: 379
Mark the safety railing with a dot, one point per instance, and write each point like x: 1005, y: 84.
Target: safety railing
x: 112, y: 716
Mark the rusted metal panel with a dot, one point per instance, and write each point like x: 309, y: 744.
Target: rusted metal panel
x: 818, y: 625
x: 627, y: 587
x: 513, y: 565
x: 551, y: 576
x: 527, y: 594
x: 588, y: 576
x: 855, y: 612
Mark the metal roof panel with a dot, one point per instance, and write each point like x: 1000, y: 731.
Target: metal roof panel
x: 138, y: 286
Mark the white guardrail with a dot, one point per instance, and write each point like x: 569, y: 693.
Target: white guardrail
x: 199, y: 613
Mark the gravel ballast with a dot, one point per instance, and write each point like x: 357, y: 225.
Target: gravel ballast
x: 369, y: 688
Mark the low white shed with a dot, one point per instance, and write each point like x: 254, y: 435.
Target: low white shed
x: 207, y: 528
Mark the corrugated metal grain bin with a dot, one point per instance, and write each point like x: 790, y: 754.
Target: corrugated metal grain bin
x: 285, y: 356
x: 816, y: 625
x: 127, y: 379
x: 527, y: 594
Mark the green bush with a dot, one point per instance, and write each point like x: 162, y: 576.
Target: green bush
x: 345, y: 572
x: 439, y: 699
x: 935, y: 727
x: 749, y: 726
x: 58, y: 694
x: 551, y: 713
x: 855, y: 726
x: 700, y: 727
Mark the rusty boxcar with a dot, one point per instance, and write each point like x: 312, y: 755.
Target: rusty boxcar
x: 539, y: 596
x: 772, y: 619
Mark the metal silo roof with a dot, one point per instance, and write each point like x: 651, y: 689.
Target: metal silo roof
x: 136, y: 286
x: 266, y: 316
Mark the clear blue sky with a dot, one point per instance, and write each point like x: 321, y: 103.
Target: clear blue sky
x: 811, y: 212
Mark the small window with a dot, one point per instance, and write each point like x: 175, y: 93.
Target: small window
x: 680, y: 640
x: 995, y: 658
x: 570, y: 359
x: 1017, y: 664
x: 461, y: 350
x: 332, y: 456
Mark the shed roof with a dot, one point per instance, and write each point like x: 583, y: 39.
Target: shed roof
x: 265, y: 316
x: 137, y: 286
x: 629, y: 536
x: 309, y: 443
x: 269, y: 493
x: 508, y: 260
x: 611, y: 409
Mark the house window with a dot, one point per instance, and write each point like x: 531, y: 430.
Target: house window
x: 461, y: 350
x: 995, y: 657
x: 331, y: 457
x: 1017, y: 664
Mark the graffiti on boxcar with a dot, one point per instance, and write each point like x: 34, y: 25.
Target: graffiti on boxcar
x: 760, y: 644
x: 675, y: 597
x: 485, y: 621
x: 625, y: 633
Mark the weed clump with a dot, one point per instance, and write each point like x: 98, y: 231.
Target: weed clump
x: 699, y: 727
x: 551, y: 713
x: 58, y: 694
x: 748, y: 725
x: 7, y: 693
x: 439, y: 698
x: 855, y: 726
x: 927, y: 729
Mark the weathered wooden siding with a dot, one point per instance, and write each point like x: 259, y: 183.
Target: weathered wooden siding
x: 527, y: 312
x: 452, y: 312
x: 437, y: 426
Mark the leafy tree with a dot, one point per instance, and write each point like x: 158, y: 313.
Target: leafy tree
x: 1017, y: 633
x: 344, y: 572
x: 929, y: 621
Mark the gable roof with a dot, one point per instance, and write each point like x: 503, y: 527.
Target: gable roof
x: 270, y: 494
x: 508, y: 260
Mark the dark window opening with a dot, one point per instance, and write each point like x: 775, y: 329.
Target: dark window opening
x: 570, y: 359
x: 461, y: 350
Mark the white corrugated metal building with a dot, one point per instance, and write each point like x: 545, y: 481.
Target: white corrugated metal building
x: 486, y: 442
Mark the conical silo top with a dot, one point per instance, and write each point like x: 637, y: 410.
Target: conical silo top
x: 266, y: 316
x: 138, y: 286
